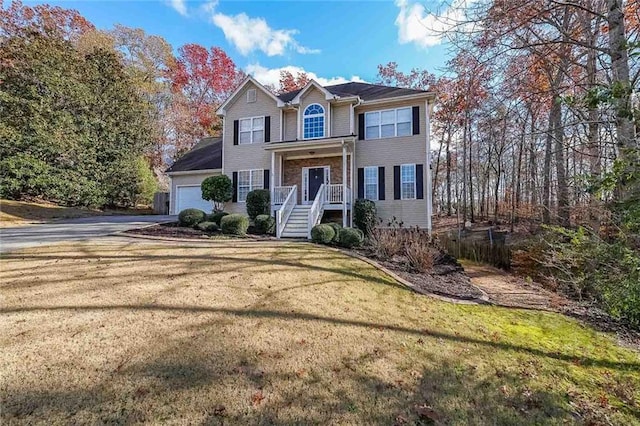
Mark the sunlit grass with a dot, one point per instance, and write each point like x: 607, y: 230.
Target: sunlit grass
x: 245, y: 332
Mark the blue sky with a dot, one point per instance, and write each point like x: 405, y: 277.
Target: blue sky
x: 332, y: 40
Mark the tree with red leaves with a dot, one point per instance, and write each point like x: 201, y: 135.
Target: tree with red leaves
x: 389, y: 75
x: 201, y: 80
x: 52, y: 21
x: 290, y: 83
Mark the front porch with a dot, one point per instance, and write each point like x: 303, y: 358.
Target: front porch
x: 314, y: 177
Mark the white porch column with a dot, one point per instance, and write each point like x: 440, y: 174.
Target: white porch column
x: 344, y: 184
x: 429, y: 191
x: 272, y: 179
x: 353, y: 168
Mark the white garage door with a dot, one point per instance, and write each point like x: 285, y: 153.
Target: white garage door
x: 190, y: 197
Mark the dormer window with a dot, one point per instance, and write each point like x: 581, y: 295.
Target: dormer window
x: 314, y: 122
x: 251, y: 95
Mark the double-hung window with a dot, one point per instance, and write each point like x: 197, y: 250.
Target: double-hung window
x: 251, y: 130
x: 388, y: 123
x: 248, y: 180
x: 408, y: 182
x: 371, y: 183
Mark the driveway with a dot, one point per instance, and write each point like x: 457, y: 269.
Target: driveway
x: 72, y: 229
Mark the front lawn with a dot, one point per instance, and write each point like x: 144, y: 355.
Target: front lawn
x: 239, y: 332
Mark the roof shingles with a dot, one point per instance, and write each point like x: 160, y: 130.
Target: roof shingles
x: 205, y: 155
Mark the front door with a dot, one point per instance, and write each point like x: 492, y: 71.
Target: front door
x: 316, y: 178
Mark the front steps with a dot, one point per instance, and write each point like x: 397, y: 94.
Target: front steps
x: 298, y: 224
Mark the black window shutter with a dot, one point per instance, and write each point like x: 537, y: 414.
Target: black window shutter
x: 360, y: 182
x: 380, y: 183
x: 267, y: 129
x: 396, y: 182
x: 265, y: 181
x: 236, y: 128
x: 416, y: 120
x: 234, y: 180
x: 419, y: 181
x: 360, y: 126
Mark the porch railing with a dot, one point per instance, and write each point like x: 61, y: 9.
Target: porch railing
x: 280, y: 194
x: 283, y: 213
x: 317, y: 208
x: 335, y: 194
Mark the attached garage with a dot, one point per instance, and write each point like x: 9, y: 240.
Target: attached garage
x: 188, y: 172
x: 190, y: 197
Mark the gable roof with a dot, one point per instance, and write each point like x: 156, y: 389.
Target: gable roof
x: 366, y: 91
x: 205, y: 155
x: 248, y: 78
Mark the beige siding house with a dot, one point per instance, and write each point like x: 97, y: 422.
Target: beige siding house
x: 320, y: 148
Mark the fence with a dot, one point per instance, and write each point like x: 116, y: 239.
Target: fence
x: 490, y: 248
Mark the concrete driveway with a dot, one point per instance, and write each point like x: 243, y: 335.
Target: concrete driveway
x: 72, y: 229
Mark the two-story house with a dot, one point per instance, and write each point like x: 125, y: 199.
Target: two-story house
x: 317, y: 149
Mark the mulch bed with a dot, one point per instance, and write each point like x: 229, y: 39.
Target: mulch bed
x: 172, y: 230
x: 447, y: 278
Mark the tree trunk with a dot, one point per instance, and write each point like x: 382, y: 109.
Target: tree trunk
x: 449, y: 174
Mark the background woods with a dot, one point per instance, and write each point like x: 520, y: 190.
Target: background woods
x: 536, y: 129
x: 88, y: 117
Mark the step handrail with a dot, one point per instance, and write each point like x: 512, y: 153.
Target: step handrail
x: 283, y: 213
x: 316, y: 210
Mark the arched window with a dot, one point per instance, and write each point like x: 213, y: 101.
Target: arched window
x: 314, y: 121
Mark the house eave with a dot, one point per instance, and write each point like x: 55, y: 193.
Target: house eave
x: 305, y: 145
x: 221, y: 111
x: 430, y: 96
x: 192, y: 172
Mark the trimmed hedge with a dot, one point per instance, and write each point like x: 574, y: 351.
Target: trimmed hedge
x: 364, y: 215
x: 208, y: 226
x: 336, y: 227
x: 191, y: 217
x: 258, y: 202
x: 322, y: 234
x: 235, y: 224
x: 351, y: 237
x: 265, y: 224
x: 216, y: 217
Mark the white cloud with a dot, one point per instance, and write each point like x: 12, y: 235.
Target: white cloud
x: 248, y: 34
x: 271, y: 76
x: 209, y: 6
x: 180, y: 6
x: 416, y: 25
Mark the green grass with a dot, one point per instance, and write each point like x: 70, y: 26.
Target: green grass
x: 267, y: 333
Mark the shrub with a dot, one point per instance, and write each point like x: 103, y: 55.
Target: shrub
x: 265, y: 224
x: 351, y: 237
x: 364, y: 215
x: 235, y: 224
x: 216, y: 217
x: 208, y: 226
x: 218, y: 189
x: 258, y: 202
x: 420, y: 254
x: 588, y: 267
x: 336, y: 227
x: 322, y: 234
x: 386, y: 243
x: 191, y: 217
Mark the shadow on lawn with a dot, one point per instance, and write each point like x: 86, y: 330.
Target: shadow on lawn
x: 584, y: 361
